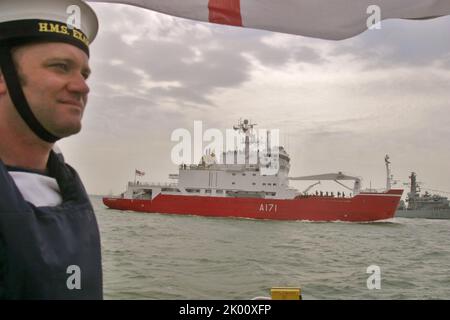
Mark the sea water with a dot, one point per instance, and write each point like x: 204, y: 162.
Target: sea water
x: 157, y: 256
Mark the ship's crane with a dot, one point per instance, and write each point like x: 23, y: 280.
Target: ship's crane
x: 309, y: 188
x: 333, y: 177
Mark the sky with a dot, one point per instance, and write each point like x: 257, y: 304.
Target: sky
x: 339, y: 105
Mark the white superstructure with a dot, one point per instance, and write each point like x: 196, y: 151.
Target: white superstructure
x: 255, y: 174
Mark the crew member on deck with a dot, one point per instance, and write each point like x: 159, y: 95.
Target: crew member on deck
x: 49, y: 237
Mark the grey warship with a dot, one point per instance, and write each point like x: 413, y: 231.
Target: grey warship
x: 426, y: 206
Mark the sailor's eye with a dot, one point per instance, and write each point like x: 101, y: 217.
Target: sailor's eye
x: 61, y: 66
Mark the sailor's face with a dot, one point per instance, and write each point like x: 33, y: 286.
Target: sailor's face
x: 53, y: 77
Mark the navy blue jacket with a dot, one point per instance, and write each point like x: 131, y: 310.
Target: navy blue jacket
x: 46, y: 251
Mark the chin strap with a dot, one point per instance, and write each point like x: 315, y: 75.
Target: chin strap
x: 18, y: 97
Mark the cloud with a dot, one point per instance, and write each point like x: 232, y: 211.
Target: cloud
x: 165, y: 50
x: 400, y: 43
x: 344, y: 104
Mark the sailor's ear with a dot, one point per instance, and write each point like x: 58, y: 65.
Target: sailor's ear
x: 3, y: 88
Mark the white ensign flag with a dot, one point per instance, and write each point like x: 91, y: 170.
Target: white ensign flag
x: 326, y: 19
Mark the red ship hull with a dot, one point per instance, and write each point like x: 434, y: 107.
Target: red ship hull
x: 360, y: 208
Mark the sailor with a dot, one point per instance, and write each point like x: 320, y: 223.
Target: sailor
x: 49, y: 237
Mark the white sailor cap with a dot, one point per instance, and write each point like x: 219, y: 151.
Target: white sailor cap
x: 71, y: 21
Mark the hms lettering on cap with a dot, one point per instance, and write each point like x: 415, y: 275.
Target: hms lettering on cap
x: 51, y: 27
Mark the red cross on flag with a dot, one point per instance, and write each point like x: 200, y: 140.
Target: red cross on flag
x: 326, y: 19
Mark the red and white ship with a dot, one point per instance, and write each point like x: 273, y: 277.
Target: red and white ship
x: 229, y: 189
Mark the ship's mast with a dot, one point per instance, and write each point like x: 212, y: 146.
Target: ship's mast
x: 246, y: 128
x: 388, y: 173
x: 413, y: 190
